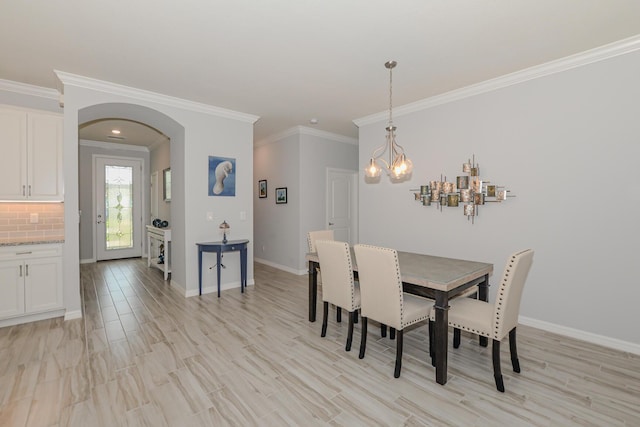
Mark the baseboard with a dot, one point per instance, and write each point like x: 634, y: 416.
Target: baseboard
x: 281, y: 267
x: 614, y: 343
x: 73, y: 314
x: 87, y: 261
x: 30, y: 318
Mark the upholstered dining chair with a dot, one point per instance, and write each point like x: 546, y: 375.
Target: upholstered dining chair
x: 496, y: 320
x: 382, y: 298
x: 338, y: 286
x: 312, y: 237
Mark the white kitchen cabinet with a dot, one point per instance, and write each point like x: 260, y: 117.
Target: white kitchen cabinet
x: 31, y: 161
x: 30, y: 279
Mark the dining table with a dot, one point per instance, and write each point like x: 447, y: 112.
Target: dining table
x: 435, y: 277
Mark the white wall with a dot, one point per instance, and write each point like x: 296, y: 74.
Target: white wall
x: 567, y: 145
x: 297, y: 159
x: 196, y: 131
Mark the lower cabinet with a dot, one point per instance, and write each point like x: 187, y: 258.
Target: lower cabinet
x: 30, y: 280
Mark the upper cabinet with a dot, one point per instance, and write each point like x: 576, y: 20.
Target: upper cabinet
x: 31, y: 159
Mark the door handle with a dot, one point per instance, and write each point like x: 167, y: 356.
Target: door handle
x: 330, y: 223
x: 99, y: 221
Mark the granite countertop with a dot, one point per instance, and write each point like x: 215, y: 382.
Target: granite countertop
x: 31, y: 241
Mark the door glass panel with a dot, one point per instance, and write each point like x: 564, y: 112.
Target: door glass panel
x: 119, y: 207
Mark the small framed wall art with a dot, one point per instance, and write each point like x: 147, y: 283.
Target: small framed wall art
x: 262, y: 189
x: 281, y: 195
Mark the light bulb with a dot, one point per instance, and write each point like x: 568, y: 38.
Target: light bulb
x: 372, y: 170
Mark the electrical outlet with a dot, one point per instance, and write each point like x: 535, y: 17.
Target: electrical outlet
x: 33, y: 218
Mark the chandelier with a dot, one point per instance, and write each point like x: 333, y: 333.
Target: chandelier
x: 398, y: 167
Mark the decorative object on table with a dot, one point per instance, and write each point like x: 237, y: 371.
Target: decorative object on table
x: 159, y: 223
x: 224, y: 227
x: 222, y: 176
x: 469, y: 190
x: 262, y: 189
x: 281, y: 195
x: 398, y: 167
x: 161, y: 254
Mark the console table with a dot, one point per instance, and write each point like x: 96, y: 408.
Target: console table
x: 219, y: 248
x: 159, y: 235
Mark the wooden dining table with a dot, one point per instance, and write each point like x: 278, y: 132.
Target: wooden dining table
x: 438, y: 278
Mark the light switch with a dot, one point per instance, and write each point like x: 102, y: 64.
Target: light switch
x: 33, y: 218
x: 243, y: 215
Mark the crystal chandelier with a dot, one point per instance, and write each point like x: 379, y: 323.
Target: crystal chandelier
x: 398, y: 167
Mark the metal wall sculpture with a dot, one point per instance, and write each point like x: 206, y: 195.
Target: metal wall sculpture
x: 468, y: 191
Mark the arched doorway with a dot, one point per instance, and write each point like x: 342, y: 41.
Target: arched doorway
x: 162, y: 123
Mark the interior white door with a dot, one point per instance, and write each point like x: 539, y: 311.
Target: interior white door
x: 118, y: 218
x: 342, y: 204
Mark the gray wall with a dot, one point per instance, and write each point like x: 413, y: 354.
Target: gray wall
x: 566, y: 144
x: 296, y: 159
x: 161, y: 160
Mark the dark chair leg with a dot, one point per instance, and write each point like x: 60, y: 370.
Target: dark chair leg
x: 432, y: 351
x: 396, y: 373
x: 325, y: 315
x: 456, y: 337
x: 392, y: 333
x: 497, y: 373
x: 338, y: 314
x: 363, y: 338
x: 514, y: 351
x: 352, y: 316
x: 383, y: 330
x: 355, y: 314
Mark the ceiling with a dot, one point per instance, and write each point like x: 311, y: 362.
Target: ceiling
x: 290, y: 61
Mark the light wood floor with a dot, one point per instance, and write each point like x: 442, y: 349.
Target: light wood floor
x: 145, y: 356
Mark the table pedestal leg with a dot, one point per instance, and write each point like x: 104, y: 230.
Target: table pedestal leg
x: 441, y: 336
x: 199, y: 272
x: 219, y: 259
x: 313, y: 290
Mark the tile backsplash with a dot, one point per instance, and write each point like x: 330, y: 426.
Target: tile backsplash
x: 31, y: 221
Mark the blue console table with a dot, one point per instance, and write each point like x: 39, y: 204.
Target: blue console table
x: 219, y: 248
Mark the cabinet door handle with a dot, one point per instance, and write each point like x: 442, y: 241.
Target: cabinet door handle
x: 20, y: 271
x: 26, y: 269
x: 29, y: 190
x: 24, y: 190
x: 23, y: 253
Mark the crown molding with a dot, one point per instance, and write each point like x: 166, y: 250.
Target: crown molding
x: 27, y: 89
x: 113, y: 145
x: 69, y: 79
x: 581, y: 59
x: 304, y: 130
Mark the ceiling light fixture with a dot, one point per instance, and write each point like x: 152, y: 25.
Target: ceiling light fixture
x: 115, y: 132
x: 398, y: 167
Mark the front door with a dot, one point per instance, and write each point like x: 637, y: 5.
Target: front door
x: 342, y: 204
x: 118, y: 219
